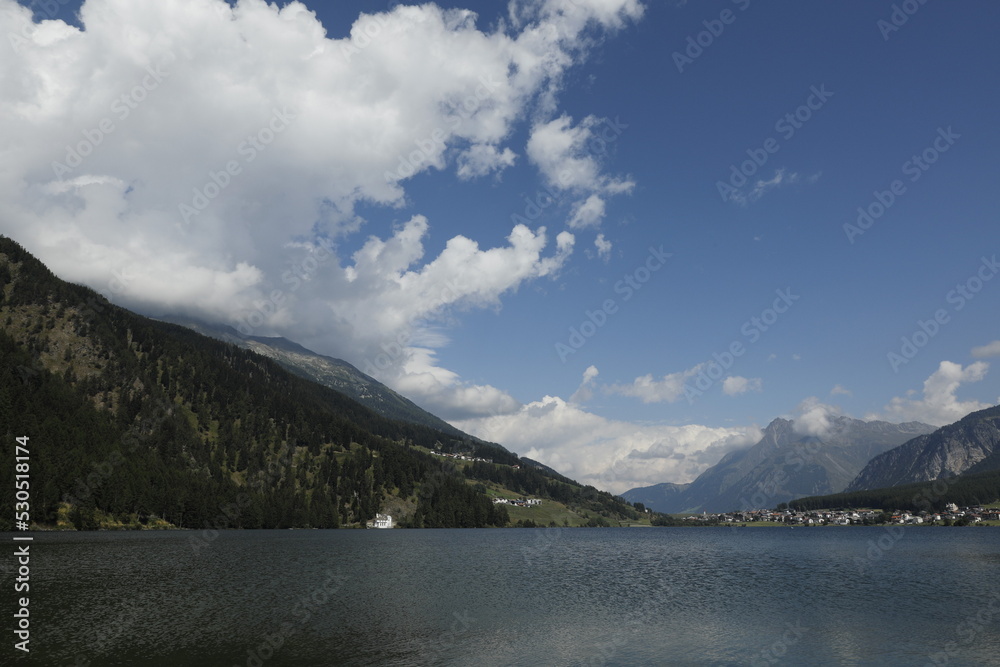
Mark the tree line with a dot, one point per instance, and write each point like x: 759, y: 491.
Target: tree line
x: 964, y: 490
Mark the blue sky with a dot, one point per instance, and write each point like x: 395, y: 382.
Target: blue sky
x: 610, y: 124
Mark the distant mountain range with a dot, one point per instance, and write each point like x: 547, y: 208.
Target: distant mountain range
x: 970, y: 445
x: 785, y: 464
x: 663, y: 495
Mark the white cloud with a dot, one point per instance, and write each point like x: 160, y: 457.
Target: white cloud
x: 762, y: 187
x: 611, y: 455
x: 781, y: 176
x: 484, y: 159
x: 939, y: 404
x: 568, y: 156
x: 838, y: 390
x: 384, y: 295
x: 443, y: 393
x: 569, y: 159
x: 814, y: 417
x: 570, y: 17
x: 734, y: 385
x: 271, y: 134
x: 669, y: 389
x: 586, y: 389
x: 674, y: 386
x: 988, y: 350
x: 587, y: 213
x: 603, y: 247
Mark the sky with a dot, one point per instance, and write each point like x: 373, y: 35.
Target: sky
x: 618, y: 237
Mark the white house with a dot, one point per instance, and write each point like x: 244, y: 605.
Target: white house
x: 382, y: 521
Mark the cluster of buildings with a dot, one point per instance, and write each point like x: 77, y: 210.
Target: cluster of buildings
x: 517, y: 502
x: 850, y: 517
x: 462, y: 457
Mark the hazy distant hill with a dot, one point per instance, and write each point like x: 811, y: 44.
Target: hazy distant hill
x: 657, y: 496
x: 327, y: 371
x: 785, y: 465
x: 970, y: 445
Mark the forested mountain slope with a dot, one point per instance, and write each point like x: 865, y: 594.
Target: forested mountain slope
x: 136, y: 422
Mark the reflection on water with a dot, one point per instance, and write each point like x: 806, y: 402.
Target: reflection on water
x: 692, y: 596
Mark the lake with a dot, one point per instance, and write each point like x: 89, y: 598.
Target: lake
x: 616, y: 596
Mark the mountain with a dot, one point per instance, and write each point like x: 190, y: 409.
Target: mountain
x: 786, y: 464
x: 136, y: 423
x: 327, y: 371
x: 970, y: 445
x: 656, y: 496
x: 541, y: 466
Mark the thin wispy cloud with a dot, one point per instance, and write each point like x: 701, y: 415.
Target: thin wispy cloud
x: 987, y: 351
x: 735, y: 385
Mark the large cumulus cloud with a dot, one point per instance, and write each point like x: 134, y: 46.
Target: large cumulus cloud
x: 201, y: 157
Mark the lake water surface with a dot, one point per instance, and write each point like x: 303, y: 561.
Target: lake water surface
x: 664, y: 596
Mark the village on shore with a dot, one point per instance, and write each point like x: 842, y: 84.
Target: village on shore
x: 951, y: 515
